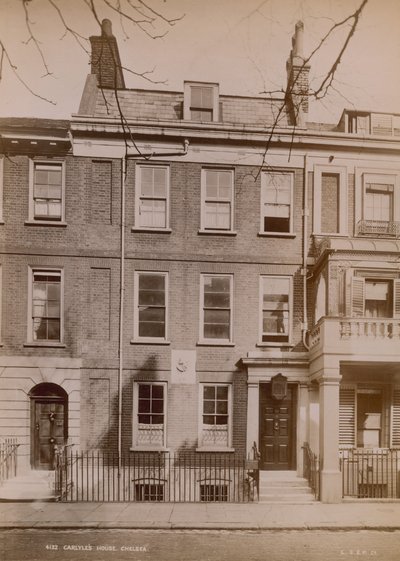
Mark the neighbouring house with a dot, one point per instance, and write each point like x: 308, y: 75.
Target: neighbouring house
x: 173, y: 284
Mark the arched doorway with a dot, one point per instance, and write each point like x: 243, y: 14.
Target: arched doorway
x: 49, y: 423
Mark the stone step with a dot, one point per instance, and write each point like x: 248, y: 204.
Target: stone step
x: 31, y: 486
x: 285, y: 490
x: 288, y: 499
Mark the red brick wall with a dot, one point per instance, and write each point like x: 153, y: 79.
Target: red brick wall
x: 87, y: 250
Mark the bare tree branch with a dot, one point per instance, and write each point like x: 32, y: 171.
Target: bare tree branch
x: 32, y: 38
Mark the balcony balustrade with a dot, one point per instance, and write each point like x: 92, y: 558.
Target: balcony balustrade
x: 364, y: 336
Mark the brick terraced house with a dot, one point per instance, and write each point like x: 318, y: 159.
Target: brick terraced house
x: 169, y: 292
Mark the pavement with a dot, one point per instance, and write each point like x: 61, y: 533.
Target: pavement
x: 360, y: 515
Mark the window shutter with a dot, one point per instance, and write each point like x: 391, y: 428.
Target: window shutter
x: 357, y: 297
x: 347, y: 414
x: 396, y: 418
x: 396, y: 298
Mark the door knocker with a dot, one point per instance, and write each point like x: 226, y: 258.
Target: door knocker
x: 52, y: 416
x: 276, y: 425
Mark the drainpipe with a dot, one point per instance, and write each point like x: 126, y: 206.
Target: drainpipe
x: 304, y: 327
x: 149, y: 155
x: 121, y: 313
x: 124, y: 161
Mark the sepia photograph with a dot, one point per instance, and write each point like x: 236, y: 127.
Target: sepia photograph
x: 199, y: 280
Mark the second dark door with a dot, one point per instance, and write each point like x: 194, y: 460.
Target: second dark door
x: 276, y: 430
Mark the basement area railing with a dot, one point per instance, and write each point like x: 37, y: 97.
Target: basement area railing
x: 8, y: 459
x: 155, y: 476
x: 370, y: 474
x: 311, y: 469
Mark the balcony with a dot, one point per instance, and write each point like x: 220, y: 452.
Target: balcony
x: 378, y: 228
x: 369, y: 338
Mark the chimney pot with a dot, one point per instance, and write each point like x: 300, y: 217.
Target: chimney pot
x: 106, y: 28
x: 298, y: 39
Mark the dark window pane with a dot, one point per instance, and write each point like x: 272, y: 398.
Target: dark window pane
x: 222, y: 392
x: 152, y: 315
x: 209, y: 392
x: 274, y: 224
x: 216, y: 300
x: 144, y: 390
x: 151, y: 297
x: 145, y: 419
x: 216, y: 284
x: 222, y: 407
x: 217, y: 316
x: 53, y: 330
x: 208, y: 419
x: 158, y: 391
x: 209, y: 407
x: 157, y: 419
x: 151, y: 282
x: 157, y: 406
x: 216, y: 332
x: 144, y: 406
x: 152, y: 330
x: 221, y: 420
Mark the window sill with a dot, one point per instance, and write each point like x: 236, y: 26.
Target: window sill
x: 329, y: 235
x: 273, y: 344
x: 152, y: 230
x: 148, y: 449
x: 215, y: 449
x: 56, y: 223
x: 276, y: 235
x: 217, y: 232
x: 149, y: 342
x: 216, y: 343
x: 49, y: 344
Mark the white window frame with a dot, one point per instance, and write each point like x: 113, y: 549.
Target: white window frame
x: 138, y: 197
x: 264, y: 186
x: 343, y: 196
x: 32, y: 218
x: 357, y: 290
x: 387, y: 423
x: 204, y: 200
x: 56, y: 271
x: 388, y: 177
x: 287, y: 343
x: 135, y: 413
x: 136, y: 337
x: 202, y: 339
x: 187, y: 100
x: 216, y: 447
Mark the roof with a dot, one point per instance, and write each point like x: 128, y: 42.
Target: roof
x: 168, y: 105
x: 32, y: 125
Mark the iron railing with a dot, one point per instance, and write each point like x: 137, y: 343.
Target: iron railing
x: 97, y: 476
x: 311, y: 469
x: 370, y: 474
x: 8, y: 459
x: 378, y: 228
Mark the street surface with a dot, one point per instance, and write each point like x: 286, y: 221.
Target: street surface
x: 198, y: 545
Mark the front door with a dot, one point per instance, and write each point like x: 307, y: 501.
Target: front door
x: 277, y: 429
x: 49, y: 431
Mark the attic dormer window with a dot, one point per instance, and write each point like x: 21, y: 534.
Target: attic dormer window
x: 201, y: 102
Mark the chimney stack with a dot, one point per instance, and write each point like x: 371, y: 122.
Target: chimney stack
x: 105, y: 60
x: 297, y: 89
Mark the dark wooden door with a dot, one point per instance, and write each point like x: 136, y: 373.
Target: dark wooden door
x: 276, y: 430
x: 49, y: 427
